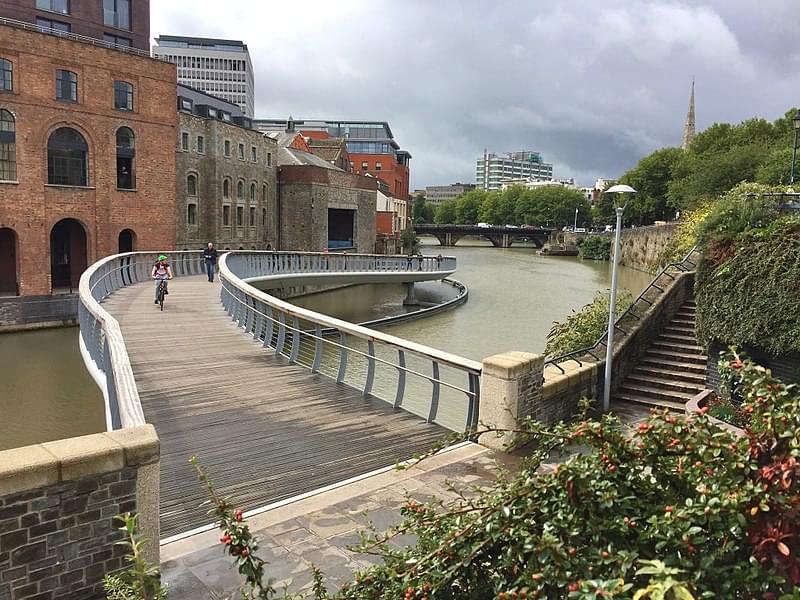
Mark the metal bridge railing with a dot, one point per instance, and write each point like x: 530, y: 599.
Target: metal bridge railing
x: 100, y: 333
x: 441, y: 387
x: 643, y: 301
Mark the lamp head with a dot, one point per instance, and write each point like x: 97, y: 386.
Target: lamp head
x: 621, y: 189
x: 796, y: 120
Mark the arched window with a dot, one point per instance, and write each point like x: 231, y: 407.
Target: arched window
x: 8, y: 146
x: 67, y: 158
x: 252, y: 192
x: 240, y: 190
x: 264, y: 193
x: 252, y: 220
x: 191, y: 214
x: 226, y: 188
x: 191, y: 185
x: 264, y: 217
x: 126, y: 152
x: 6, y: 75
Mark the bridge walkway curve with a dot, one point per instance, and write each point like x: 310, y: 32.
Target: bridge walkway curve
x: 266, y: 429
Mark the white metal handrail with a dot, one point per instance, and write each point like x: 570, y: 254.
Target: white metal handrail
x: 277, y: 323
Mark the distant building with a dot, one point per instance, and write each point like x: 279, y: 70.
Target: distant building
x: 370, y: 145
x: 321, y: 206
x: 334, y: 150
x: 436, y: 194
x: 534, y: 183
x: 87, y: 166
x: 226, y: 180
x: 493, y: 169
x: 123, y: 23
x: 221, y: 68
x: 600, y: 186
x: 688, y: 129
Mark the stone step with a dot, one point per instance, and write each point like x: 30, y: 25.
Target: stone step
x: 670, y: 355
x: 690, y: 303
x: 695, y: 376
x: 667, y: 384
x: 683, y: 322
x: 656, y: 393
x: 660, y: 362
x: 673, y: 346
x: 685, y: 314
x: 687, y: 330
x: 624, y: 398
x: 689, y: 340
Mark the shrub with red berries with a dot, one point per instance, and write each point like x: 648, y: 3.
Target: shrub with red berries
x: 674, y: 508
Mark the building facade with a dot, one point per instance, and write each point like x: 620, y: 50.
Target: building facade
x: 116, y: 22
x: 221, y: 68
x: 87, y: 167
x: 370, y: 144
x: 436, y: 194
x: 325, y: 208
x: 493, y: 169
x: 226, y: 177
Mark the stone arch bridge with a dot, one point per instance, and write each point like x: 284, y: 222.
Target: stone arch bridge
x: 500, y: 237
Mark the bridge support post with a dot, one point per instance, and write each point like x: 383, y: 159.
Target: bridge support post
x: 506, y: 243
x: 511, y: 390
x: 411, y: 296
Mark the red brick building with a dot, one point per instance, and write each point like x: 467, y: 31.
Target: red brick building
x: 87, y: 157
x: 119, y: 22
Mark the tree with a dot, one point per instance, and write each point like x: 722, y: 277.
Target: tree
x: 552, y: 206
x: 422, y: 211
x: 468, y: 207
x: 445, y: 213
x: 650, y: 178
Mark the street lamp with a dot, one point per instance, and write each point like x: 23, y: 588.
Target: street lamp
x: 616, y: 189
x: 796, y: 123
x: 575, y: 226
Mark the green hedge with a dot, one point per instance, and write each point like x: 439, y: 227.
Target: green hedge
x: 595, y: 247
x: 748, y: 289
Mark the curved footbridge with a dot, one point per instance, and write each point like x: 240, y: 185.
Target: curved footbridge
x: 276, y: 400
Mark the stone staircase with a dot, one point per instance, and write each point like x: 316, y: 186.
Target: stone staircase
x: 671, y: 372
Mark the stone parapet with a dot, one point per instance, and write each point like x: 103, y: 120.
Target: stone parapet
x: 511, y: 391
x: 58, y: 500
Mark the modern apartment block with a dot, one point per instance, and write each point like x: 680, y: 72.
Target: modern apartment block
x: 493, y: 169
x: 118, y: 22
x: 370, y: 145
x: 87, y: 162
x: 221, y: 68
x: 436, y: 194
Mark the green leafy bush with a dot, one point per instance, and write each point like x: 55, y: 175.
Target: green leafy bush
x: 141, y: 581
x: 746, y: 206
x: 748, y: 289
x: 582, y: 328
x: 595, y: 247
x: 677, y: 508
x: 685, y: 238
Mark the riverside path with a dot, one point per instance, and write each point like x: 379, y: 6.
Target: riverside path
x: 266, y: 429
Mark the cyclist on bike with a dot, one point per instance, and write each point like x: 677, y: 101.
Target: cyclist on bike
x: 161, y: 272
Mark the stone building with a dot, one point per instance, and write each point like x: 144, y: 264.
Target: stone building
x: 226, y: 177
x: 324, y: 207
x: 84, y: 168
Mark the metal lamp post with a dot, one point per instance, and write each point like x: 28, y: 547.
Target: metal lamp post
x: 796, y: 123
x: 616, y: 189
x: 575, y: 226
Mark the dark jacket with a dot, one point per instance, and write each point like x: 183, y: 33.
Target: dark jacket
x: 210, y: 255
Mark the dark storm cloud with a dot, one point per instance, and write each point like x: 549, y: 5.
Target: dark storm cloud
x: 592, y: 84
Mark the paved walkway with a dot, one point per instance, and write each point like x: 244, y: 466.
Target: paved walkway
x: 266, y: 430
x: 318, y: 530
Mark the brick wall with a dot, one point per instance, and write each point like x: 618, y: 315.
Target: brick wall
x: 58, y: 501
x: 31, y: 207
x: 212, y: 167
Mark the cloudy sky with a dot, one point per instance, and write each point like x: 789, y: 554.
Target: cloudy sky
x: 592, y: 84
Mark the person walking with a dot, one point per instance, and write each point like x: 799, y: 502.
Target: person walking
x: 210, y: 257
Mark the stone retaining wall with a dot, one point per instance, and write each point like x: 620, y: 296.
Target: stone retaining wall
x: 34, y: 312
x: 785, y: 367
x: 58, y: 501
x: 640, y: 248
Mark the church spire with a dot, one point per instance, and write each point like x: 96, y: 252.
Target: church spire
x: 688, y: 130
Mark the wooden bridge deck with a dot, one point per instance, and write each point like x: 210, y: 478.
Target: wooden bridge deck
x: 267, y: 430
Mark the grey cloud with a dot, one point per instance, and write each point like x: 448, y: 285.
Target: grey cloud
x: 592, y: 84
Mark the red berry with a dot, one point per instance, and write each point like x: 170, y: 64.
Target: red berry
x: 238, y: 515
x: 668, y: 509
x: 245, y: 551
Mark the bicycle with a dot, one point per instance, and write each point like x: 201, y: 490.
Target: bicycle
x: 162, y: 291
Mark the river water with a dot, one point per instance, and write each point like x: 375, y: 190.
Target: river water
x: 515, y: 295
